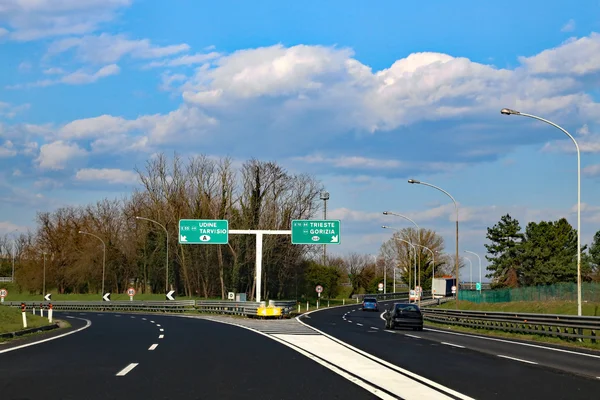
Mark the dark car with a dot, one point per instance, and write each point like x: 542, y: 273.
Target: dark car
x: 404, y: 315
x: 370, y: 303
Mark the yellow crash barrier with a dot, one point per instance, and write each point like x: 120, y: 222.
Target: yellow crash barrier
x: 269, y: 311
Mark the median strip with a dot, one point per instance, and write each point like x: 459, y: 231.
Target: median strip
x: 127, y: 369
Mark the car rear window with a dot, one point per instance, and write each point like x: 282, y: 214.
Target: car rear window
x: 407, y: 307
x: 370, y: 301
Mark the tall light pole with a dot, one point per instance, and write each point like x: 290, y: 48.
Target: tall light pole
x: 14, y: 251
x: 324, y: 197
x: 433, y: 261
x: 410, y: 244
x: 470, y: 271
x: 44, y: 279
x: 167, y: 247
x: 479, y: 258
x: 508, y: 111
x: 419, y: 237
x: 413, y: 181
x: 103, y: 256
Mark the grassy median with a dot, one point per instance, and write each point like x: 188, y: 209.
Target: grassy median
x: 557, y: 307
x: 12, y: 321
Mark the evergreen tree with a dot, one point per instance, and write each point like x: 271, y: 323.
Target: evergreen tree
x: 505, y: 252
x: 594, y: 256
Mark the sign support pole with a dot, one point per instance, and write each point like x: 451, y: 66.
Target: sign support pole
x: 258, y: 233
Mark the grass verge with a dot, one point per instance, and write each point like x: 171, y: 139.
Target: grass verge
x: 12, y: 321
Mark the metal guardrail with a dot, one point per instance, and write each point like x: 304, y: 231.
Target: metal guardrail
x: 554, y: 325
x: 391, y: 296
x: 139, y: 306
x: 5, y: 279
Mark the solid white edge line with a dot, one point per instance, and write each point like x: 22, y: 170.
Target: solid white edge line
x: 161, y: 336
x: 453, y: 345
x: 154, y: 346
x: 351, y: 378
x: 516, y: 343
x: 517, y: 359
x: 416, y: 337
x: 406, y: 372
x: 87, y: 325
x: 127, y: 369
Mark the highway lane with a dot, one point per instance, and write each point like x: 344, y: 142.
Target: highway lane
x: 123, y: 355
x: 451, y: 362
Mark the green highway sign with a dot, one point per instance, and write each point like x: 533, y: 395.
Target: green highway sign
x: 306, y: 231
x: 203, y: 231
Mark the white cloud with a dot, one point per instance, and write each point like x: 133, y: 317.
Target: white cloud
x: 56, y: 155
x: 24, y: 66
x: 591, y: 170
x: 54, y: 71
x: 3, y: 32
x: 186, y: 60
x: 79, y: 77
x: 8, y: 227
x: 569, y: 26
x: 106, y: 48
x: 30, y: 20
x: 110, y: 175
x: 7, y: 150
x: 10, y: 111
x: 351, y: 162
x: 575, y: 57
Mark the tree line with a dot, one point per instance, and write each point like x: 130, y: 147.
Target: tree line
x: 545, y: 253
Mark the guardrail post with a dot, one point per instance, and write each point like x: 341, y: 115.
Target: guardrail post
x: 24, y: 316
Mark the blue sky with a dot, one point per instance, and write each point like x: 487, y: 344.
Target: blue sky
x: 363, y: 96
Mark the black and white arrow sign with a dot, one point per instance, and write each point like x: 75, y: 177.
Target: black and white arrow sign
x: 170, y: 295
x: 106, y: 297
x: 48, y: 297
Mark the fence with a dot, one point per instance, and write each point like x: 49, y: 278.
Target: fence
x: 590, y: 292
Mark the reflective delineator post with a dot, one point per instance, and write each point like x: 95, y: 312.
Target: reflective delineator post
x: 344, y: 301
x: 50, y: 313
x: 24, y: 316
x: 41, y: 310
x: 307, y: 306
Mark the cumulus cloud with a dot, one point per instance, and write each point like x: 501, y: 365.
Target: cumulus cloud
x: 185, y: 60
x: 110, y: 175
x: 106, y: 48
x: 10, y: 111
x: 30, y: 20
x: 56, y: 155
x: 569, y: 26
x: 79, y: 77
x: 7, y: 150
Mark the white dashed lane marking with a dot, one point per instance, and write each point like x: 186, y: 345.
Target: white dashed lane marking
x: 517, y: 359
x: 453, y: 345
x: 155, y: 345
x: 127, y: 369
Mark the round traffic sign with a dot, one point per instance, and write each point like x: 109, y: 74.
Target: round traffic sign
x: 380, y: 285
x: 131, y: 291
x: 453, y: 288
x: 319, y: 289
x: 3, y: 293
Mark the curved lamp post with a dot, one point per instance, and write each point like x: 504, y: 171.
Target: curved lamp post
x: 167, y: 247
x: 479, y: 258
x: 410, y: 244
x: 413, y: 181
x: 508, y: 111
x: 419, y: 237
x: 103, y: 258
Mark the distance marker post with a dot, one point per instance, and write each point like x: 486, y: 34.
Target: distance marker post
x: 24, y: 316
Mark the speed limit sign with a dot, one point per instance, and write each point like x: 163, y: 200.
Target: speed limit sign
x: 131, y: 291
x: 3, y: 293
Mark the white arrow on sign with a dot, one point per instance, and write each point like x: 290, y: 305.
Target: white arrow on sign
x: 182, y: 238
x: 334, y: 239
x: 48, y: 296
x: 170, y: 295
x: 106, y: 297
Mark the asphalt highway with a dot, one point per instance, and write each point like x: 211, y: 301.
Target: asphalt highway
x: 477, y: 367
x: 123, y: 356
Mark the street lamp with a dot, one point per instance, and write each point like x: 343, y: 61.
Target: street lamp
x: 103, y: 257
x: 14, y: 251
x: 508, y: 111
x: 470, y: 271
x: 167, y: 247
x: 414, y: 252
x: 419, y: 237
x: 433, y: 261
x: 479, y: 258
x: 44, y: 284
x: 413, y: 181
x: 324, y: 197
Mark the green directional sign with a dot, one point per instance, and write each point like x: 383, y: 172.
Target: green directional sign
x: 203, y: 231
x: 307, y: 231
x: 478, y: 286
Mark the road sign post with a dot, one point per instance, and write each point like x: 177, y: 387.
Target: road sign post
x: 326, y: 231
x: 453, y: 290
x: 380, y: 287
x: 203, y: 231
x: 131, y: 293
x: 3, y: 294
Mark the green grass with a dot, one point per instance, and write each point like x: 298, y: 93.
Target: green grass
x: 12, y: 321
x: 536, y: 307
x: 514, y: 335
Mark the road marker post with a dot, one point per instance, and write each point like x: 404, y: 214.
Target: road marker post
x: 24, y: 316
x: 41, y: 310
x: 3, y: 294
x: 50, y: 313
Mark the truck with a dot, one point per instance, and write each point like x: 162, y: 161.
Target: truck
x: 442, y: 287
